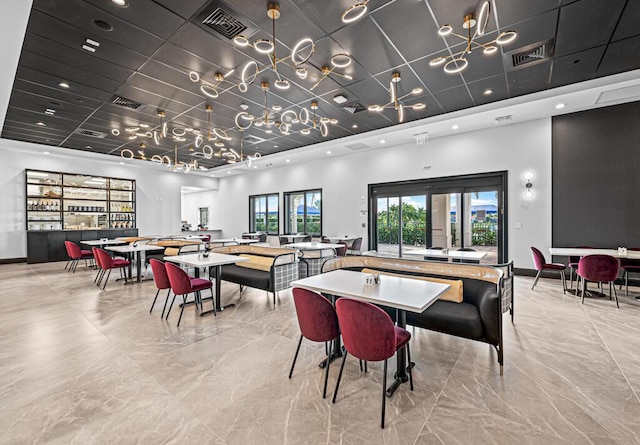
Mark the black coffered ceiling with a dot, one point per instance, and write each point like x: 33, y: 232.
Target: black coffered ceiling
x: 153, y: 45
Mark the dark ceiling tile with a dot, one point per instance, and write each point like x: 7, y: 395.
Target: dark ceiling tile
x: 454, y: 98
x: 184, y: 8
x: 537, y: 29
x: 81, y: 15
x: 576, y: 67
x: 39, y: 104
x: 368, y: 92
x: 586, y: 24
x: 163, y: 89
x: 628, y: 24
x: 145, y: 14
x: 616, y: 58
x: 497, y: 84
x: 45, y: 85
x: 327, y: 15
x: 73, y: 37
x: 368, y: 46
x: 407, y: 22
x: 530, y: 79
x: 448, y: 13
x: 512, y: 11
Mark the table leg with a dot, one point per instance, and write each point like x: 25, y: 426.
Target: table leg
x: 401, y: 375
x: 336, y: 346
x: 218, y: 306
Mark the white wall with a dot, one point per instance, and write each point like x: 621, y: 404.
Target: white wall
x: 191, y: 203
x: 344, y: 180
x: 158, y: 192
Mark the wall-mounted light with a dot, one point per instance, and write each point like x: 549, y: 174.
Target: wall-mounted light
x: 528, y: 176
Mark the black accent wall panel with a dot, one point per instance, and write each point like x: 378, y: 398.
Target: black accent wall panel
x: 596, y: 177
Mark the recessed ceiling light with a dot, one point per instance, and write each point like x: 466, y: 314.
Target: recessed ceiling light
x: 46, y: 153
x: 288, y: 160
x: 120, y: 3
x: 328, y: 152
x: 382, y: 141
x: 122, y: 163
x: 275, y: 146
x: 42, y: 124
x: 228, y: 173
x: 488, y: 92
x: 560, y: 106
x: 91, y: 49
x: 354, y: 126
x: 63, y: 85
x: 88, y: 146
x: 339, y: 99
x: 455, y: 127
x: 255, y: 166
x: 212, y: 176
x: 50, y: 111
x: 105, y: 26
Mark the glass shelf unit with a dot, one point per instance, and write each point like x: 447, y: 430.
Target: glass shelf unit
x: 65, y: 201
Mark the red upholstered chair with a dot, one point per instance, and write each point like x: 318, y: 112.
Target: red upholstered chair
x: 600, y: 269
x: 75, y: 255
x: 342, y: 251
x: 369, y: 334
x: 355, y: 247
x: 629, y: 266
x: 183, y: 284
x: 541, y: 265
x: 573, y: 264
x: 318, y: 322
x: 161, y: 280
x: 100, y: 273
x: 107, y: 263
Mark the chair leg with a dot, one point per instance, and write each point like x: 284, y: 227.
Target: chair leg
x: 536, y: 280
x: 295, y: 357
x: 571, y: 278
x: 170, y: 306
x: 213, y: 302
x: 626, y: 282
x: 335, y: 391
x: 67, y: 265
x: 166, y: 300
x: 584, y: 285
x: 410, y: 367
x: 564, y: 283
x: 615, y: 294
x: 384, y: 394
x: 326, y: 378
x: 184, y: 303
x: 107, y: 279
x: 154, y: 301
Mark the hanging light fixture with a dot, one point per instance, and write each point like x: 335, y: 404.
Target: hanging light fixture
x: 396, y: 101
x: 337, y: 62
x: 355, y: 12
x: 300, y: 54
x: 214, y: 88
x: 457, y: 62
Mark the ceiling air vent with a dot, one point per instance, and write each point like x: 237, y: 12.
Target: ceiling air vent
x: 503, y: 119
x: 357, y: 146
x: 529, y: 55
x: 223, y: 23
x: 354, y: 107
x: 128, y: 103
x: 91, y: 133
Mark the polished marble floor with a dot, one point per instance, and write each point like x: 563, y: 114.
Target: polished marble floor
x: 79, y: 365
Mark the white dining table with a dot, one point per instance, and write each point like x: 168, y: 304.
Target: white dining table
x: 102, y: 242
x: 345, y: 238
x: 217, y: 260
x: 233, y: 241
x: 453, y: 254
x: 575, y: 251
x: 314, y: 246
x: 403, y: 294
x: 131, y: 250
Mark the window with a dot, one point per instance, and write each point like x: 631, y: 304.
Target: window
x: 203, y: 217
x: 264, y: 214
x: 304, y: 212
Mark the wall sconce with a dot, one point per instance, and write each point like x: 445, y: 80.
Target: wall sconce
x: 528, y: 176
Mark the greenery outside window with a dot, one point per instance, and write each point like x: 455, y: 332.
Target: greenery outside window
x: 304, y: 212
x: 264, y: 214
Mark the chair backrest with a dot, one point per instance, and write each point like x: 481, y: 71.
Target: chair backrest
x: 460, y: 260
x: 316, y: 316
x: 598, y: 268
x: 106, y: 261
x: 357, y: 244
x: 178, y: 278
x: 262, y: 238
x: 306, y: 239
x: 324, y: 239
x: 160, y: 276
x: 283, y: 240
x: 466, y: 249
x: 73, y: 250
x: 341, y: 251
x: 367, y: 331
x: 96, y: 256
x: 538, y: 258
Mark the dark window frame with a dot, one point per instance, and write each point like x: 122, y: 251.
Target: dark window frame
x: 286, y: 196
x: 252, y: 212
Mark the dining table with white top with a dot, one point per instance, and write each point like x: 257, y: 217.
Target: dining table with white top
x: 133, y: 253
x: 401, y: 293
x: 448, y: 254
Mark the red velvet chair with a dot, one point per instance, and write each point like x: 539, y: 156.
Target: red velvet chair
x: 75, y: 255
x: 600, y: 269
x: 161, y: 280
x: 629, y: 266
x: 107, y: 263
x: 100, y: 273
x: 342, y: 251
x: 183, y: 284
x: 573, y: 264
x: 318, y: 322
x: 369, y: 334
x: 541, y: 265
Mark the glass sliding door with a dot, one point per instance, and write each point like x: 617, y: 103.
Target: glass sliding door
x: 446, y: 224
x: 401, y: 224
x: 480, y: 223
x: 414, y: 223
x: 388, y: 230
